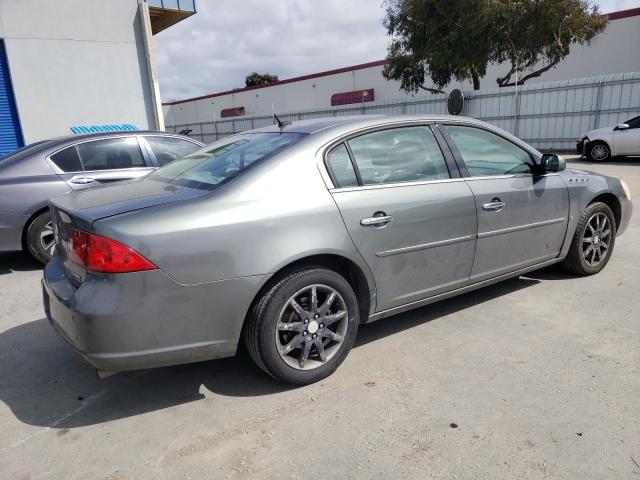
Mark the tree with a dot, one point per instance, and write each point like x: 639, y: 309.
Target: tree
x: 256, y: 78
x: 533, y: 36
x: 439, y: 39
x: 443, y: 40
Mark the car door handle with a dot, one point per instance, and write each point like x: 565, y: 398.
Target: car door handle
x: 376, y: 220
x: 494, y: 205
x: 82, y: 180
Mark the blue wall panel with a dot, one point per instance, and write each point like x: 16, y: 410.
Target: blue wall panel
x: 10, y: 133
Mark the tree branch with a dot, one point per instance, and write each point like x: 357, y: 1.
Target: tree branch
x: 431, y: 90
x: 537, y: 73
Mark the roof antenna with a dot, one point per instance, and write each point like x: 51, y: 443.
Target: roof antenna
x: 280, y: 123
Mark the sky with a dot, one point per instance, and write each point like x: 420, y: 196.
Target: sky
x: 226, y: 40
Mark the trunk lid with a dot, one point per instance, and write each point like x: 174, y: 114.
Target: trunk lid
x: 79, y: 209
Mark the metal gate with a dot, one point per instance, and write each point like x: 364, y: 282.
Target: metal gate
x: 10, y: 133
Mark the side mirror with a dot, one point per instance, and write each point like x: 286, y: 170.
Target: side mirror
x: 552, y: 163
x: 621, y: 126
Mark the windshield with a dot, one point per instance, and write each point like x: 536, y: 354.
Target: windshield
x: 225, y: 159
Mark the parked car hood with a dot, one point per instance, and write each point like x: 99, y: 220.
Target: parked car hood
x: 105, y: 201
x: 599, y: 131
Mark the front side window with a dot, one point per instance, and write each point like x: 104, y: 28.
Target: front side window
x: 486, y: 153
x: 168, y: 149
x: 406, y: 154
x: 634, y: 122
x: 225, y: 159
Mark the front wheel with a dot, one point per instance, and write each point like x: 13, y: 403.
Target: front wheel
x: 304, y: 326
x: 598, y: 152
x: 593, y: 241
x: 40, y: 238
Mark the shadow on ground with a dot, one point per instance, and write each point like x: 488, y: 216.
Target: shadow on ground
x: 45, y: 384
x: 619, y: 161
x: 18, y: 262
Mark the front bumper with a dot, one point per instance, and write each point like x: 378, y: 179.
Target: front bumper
x: 145, y: 319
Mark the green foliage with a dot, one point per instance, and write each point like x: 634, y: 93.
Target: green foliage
x: 256, y: 78
x: 442, y: 40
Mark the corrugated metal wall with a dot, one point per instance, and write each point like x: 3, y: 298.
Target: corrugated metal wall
x: 546, y: 115
x: 10, y: 133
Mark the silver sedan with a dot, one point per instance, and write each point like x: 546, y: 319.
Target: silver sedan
x: 288, y: 237
x: 32, y: 175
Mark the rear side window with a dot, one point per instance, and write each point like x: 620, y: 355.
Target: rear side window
x: 67, y: 160
x: 225, y: 159
x: 168, y: 149
x: 341, y: 167
x: 110, y: 154
x: 408, y: 154
x: 486, y: 153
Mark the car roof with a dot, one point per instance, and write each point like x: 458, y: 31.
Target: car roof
x: 316, y: 125
x: 58, y: 141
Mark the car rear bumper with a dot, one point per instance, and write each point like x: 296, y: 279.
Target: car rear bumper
x: 145, y: 319
x: 11, y: 226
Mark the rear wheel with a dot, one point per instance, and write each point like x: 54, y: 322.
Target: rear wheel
x: 40, y: 238
x: 593, y: 241
x: 598, y: 152
x: 304, y: 326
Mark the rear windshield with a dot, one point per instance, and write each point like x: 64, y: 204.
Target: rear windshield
x: 23, y: 152
x: 225, y: 159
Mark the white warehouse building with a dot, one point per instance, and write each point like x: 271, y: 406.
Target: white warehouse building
x: 616, y: 50
x: 74, y: 66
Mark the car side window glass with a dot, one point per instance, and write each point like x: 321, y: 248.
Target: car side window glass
x: 634, y: 122
x: 67, y: 160
x: 486, y: 153
x: 339, y: 163
x: 406, y: 154
x: 113, y: 153
x: 168, y: 149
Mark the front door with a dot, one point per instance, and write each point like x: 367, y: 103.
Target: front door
x: 627, y: 141
x: 522, y: 216
x: 411, y: 221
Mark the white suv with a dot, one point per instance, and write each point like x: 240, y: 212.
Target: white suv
x: 603, y: 143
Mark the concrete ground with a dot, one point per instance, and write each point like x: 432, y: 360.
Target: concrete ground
x: 536, y: 377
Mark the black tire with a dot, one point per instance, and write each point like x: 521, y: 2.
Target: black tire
x: 577, y: 261
x: 34, y: 238
x: 261, y: 339
x: 598, y: 152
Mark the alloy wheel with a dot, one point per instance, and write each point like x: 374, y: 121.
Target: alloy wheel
x: 311, y: 327
x: 600, y: 152
x: 596, y: 239
x: 47, y: 238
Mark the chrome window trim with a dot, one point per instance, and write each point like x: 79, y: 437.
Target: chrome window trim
x: 394, y: 185
x: 510, y: 175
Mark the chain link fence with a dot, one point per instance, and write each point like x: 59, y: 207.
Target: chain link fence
x: 547, y: 115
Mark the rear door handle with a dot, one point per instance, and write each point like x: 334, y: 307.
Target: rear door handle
x: 82, y: 180
x: 494, y: 205
x: 376, y: 220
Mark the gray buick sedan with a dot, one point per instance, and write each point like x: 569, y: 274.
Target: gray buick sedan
x: 288, y: 237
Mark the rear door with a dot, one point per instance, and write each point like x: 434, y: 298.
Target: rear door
x: 407, y: 210
x: 94, y: 162
x: 522, y: 215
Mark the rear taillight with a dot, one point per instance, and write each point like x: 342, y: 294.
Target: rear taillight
x: 102, y: 254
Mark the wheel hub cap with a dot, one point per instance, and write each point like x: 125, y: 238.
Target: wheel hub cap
x: 313, y: 327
